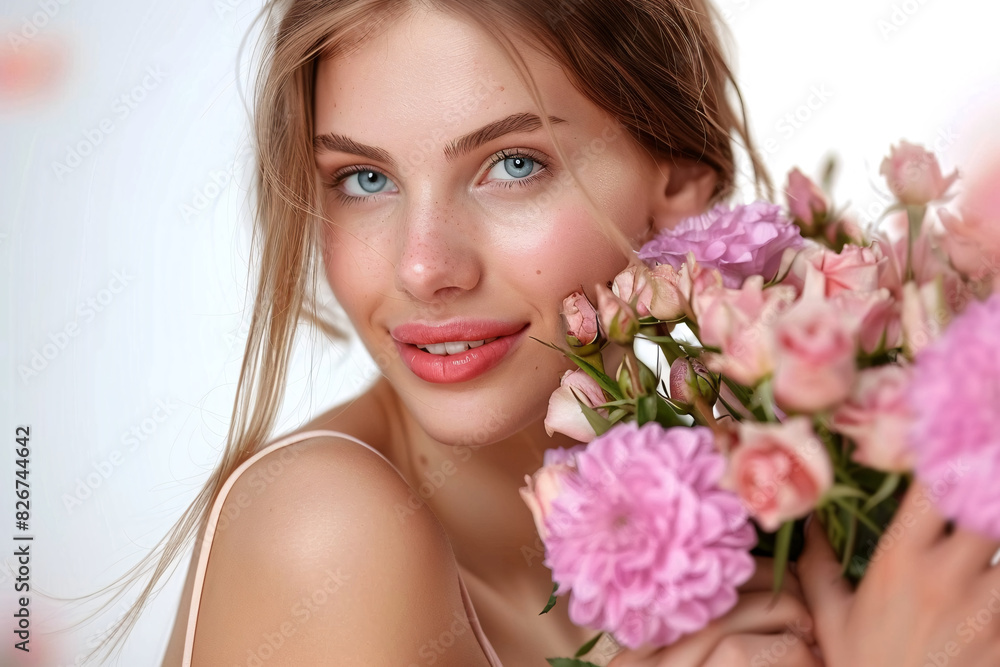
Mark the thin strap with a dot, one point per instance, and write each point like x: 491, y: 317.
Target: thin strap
x: 213, y: 517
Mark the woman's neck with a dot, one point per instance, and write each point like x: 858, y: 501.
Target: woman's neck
x: 474, y: 493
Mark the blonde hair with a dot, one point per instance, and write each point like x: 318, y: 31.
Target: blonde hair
x: 656, y: 66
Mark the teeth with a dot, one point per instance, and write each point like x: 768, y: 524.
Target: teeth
x: 456, y: 347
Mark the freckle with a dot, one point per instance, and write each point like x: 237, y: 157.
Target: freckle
x: 538, y: 272
x: 423, y: 460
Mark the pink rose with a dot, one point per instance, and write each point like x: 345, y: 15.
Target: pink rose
x: 690, y: 380
x: 564, y: 414
x: 669, y: 301
x: 973, y: 238
x: 914, y: 175
x: 815, y: 350
x: 581, y: 319
x: 854, y: 268
x: 877, y: 418
x: 739, y: 322
x: 780, y: 471
x: 547, y: 483
x: 634, y: 287
x: 619, y: 320
x: 740, y: 242
x: 806, y: 200
x: 877, y: 315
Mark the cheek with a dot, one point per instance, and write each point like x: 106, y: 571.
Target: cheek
x: 353, y: 270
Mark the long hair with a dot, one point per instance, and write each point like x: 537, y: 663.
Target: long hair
x: 656, y: 66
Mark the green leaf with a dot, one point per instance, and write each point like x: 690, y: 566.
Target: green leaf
x: 843, y: 491
x: 607, y: 384
x: 552, y: 600
x: 594, y: 418
x: 569, y: 662
x: 645, y: 409
x: 854, y: 511
x: 583, y: 650
x: 781, y: 548
x: 889, y: 484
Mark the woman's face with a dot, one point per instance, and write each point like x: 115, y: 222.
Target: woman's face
x: 452, y: 218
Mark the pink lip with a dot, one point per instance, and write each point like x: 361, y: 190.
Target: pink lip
x: 446, y: 369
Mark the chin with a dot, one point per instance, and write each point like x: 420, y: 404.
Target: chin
x: 474, y: 418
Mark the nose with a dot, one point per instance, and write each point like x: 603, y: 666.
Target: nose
x: 438, y: 253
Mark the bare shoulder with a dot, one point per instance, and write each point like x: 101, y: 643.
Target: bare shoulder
x: 317, y: 554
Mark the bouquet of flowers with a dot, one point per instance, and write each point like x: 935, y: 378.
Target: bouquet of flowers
x: 814, y: 367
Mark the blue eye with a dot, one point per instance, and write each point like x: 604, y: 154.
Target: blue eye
x: 366, y: 182
x: 514, y: 167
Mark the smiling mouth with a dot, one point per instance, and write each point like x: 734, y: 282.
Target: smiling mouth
x: 455, y: 347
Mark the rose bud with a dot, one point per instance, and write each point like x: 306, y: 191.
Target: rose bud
x: 581, y: 320
x: 564, y: 413
x: 914, y: 175
x: 690, y: 380
x: 806, y: 201
x: 634, y: 287
x: 618, y: 318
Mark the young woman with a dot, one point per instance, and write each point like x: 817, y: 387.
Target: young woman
x: 453, y: 169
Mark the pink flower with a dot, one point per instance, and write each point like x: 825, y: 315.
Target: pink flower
x: 925, y: 315
x: 914, y: 175
x: 805, y: 199
x: 740, y: 323
x: 878, y: 317
x: 643, y: 537
x: 956, y: 434
x: 853, y: 269
x: 815, y: 350
x: 690, y: 380
x: 581, y: 319
x: 619, y: 320
x: 973, y: 237
x: 877, y: 418
x: 669, y: 301
x: 745, y: 241
x: 633, y: 286
x: 780, y: 471
x: 565, y: 415
x: 547, y: 483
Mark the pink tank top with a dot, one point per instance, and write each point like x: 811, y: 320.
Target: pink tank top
x: 199, y: 576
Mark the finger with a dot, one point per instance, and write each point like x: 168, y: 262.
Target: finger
x: 763, y: 579
x: 917, y: 523
x: 971, y: 552
x: 784, y: 650
x: 754, y: 613
x: 827, y: 594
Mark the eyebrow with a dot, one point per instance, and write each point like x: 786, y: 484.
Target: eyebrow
x: 518, y: 122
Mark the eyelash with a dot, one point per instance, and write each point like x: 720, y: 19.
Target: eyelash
x: 505, y: 154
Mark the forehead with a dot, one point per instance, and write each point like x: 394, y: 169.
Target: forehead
x: 431, y: 69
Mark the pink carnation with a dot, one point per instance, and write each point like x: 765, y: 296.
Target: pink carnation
x: 744, y: 241
x: 955, y: 396
x: 649, y: 544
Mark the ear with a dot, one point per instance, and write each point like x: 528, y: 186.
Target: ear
x: 683, y: 188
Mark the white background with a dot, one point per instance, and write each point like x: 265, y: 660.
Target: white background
x: 145, y: 204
